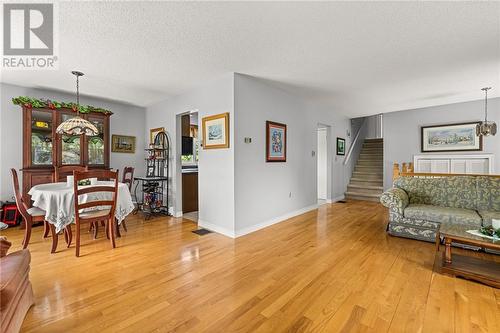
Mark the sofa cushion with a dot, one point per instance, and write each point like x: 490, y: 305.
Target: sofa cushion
x: 442, y: 214
x: 488, y: 193
x: 488, y: 215
x: 454, y: 192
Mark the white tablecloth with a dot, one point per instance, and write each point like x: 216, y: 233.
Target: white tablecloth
x: 57, y: 200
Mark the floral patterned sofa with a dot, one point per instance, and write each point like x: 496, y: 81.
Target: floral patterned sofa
x: 418, y: 205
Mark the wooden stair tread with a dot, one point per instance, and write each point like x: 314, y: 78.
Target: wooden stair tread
x: 361, y: 194
x: 370, y: 187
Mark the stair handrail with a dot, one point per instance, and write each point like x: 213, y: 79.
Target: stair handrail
x: 353, y: 144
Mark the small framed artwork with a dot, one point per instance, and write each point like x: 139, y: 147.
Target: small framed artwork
x: 122, y: 144
x: 215, y: 131
x: 150, y: 171
x: 340, y: 146
x: 153, y: 132
x: 275, y: 142
x: 451, y: 137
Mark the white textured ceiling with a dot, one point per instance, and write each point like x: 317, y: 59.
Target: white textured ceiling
x: 362, y: 58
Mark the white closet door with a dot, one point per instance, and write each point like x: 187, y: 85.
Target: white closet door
x: 458, y: 166
x: 423, y: 166
x: 440, y: 166
x: 479, y: 166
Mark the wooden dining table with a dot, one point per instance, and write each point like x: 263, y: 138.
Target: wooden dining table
x: 58, y: 201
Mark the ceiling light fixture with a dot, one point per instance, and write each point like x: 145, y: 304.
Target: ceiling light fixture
x: 486, y: 128
x: 77, y: 125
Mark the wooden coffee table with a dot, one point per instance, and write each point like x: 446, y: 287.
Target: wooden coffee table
x: 484, y: 271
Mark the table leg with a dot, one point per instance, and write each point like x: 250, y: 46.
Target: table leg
x: 438, y: 241
x: 447, y: 250
x: 68, y: 235
x: 54, y: 238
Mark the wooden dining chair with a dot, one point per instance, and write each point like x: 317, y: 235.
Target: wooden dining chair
x: 128, y: 178
x: 31, y: 215
x: 97, y: 210
x: 66, y: 170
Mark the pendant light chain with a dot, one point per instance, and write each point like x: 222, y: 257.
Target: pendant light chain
x: 486, y: 104
x: 77, y: 94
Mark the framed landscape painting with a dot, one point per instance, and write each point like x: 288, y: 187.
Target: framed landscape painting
x: 340, y: 146
x: 452, y: 137
x: 275, y: 142
x: 216, y: 131
x: 122, y: 144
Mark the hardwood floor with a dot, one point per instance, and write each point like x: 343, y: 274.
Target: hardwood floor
x: 330, y: 270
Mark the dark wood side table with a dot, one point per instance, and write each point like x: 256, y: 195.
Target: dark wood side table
x: 468, y: 267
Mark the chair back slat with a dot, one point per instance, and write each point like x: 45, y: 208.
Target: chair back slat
x: 21, y: 205
x: 128, y: 176
x: 106, y: 174
x: 93, y: 204
x: 91, y: 189
x: 66, y: 170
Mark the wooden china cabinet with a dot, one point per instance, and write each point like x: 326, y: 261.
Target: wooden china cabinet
x: 43, y: 149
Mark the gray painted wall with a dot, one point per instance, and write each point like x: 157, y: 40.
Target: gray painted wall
x: 262, y: 190
x: 402, y: 130
x: 126, y: 120
x: 215, y: 166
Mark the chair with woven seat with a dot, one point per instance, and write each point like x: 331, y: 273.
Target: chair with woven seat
x: 66, y: 170
x: 31, y: 215
x: 92, y: 212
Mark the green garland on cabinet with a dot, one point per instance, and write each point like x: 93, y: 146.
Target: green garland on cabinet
x: 31, y: 102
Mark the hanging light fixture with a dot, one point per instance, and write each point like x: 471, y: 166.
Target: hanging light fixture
x: 486, y: 127
x: 77, y: 125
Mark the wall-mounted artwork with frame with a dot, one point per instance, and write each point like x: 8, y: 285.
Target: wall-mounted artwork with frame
x: 152, y: 134
x: 451, y: 137
x: 150, y: 172
x: 122, y: 144
x: 215, y: 131
x: 341, y: 146
x: 275, y: 142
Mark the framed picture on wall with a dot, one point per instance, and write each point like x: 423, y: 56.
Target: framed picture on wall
x: 153, y: 132
x: 451, y: 137
x: 340, y: 146
x: 215, y: 131
x: 150, y: 171
x: 275, y: 142
x: 122, y: 144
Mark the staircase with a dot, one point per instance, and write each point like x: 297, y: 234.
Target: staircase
x: 367, y: 179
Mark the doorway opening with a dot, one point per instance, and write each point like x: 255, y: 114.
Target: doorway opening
x: 189, y: 149
x: 323, y: 170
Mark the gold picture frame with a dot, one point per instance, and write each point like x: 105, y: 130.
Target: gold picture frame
x: 153, y: 132
x: 122, y: 144
x: 215, y: 130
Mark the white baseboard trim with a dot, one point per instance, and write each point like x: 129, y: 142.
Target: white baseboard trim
x: 329, y: 201
x: 339, y: 198
x: 178, y: 214
x: 216, y: 228
x: 246, y: 231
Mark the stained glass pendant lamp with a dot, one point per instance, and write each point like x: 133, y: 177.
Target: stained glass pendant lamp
x: 486, y: 127
x: 77, y: 125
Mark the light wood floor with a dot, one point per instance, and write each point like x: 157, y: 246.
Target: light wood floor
x: 330, y: 270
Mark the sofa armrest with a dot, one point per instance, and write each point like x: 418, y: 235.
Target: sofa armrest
x: 395, y: 199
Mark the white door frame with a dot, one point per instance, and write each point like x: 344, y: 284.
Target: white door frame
x: 329, y: 160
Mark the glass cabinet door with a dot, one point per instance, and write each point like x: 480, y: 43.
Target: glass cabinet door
x: 96, y: 144
x: 41, y: 138
x: 70, y: 146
